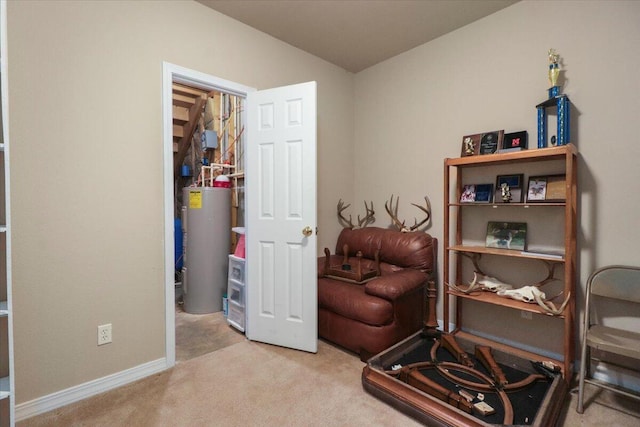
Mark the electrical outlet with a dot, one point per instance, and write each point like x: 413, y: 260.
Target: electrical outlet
x: 526, y: 314
x: 104, y: 334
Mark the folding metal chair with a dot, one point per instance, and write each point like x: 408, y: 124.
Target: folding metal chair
x: 615, y: 282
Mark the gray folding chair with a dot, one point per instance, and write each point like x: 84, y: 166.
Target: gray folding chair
x: 607, y: 284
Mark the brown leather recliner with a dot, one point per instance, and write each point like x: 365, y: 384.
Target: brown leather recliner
x: 369, y: 317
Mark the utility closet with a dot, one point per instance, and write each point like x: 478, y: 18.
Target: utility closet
x: 208, y: 154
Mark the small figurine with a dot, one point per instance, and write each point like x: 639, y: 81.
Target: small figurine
x: 505, y: 192
x: 554, y: 67
x: 469, y: 146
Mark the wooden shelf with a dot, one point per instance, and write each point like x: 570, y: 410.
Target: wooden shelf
x: 504, y: 252
x: 456, y: 250
x: 509, y: 205
x: 539, y: 154
x: 492, y: 298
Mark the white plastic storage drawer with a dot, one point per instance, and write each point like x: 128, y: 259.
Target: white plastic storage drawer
x: 236, y: 315
x: 236, y: 269
x: 235, y: 292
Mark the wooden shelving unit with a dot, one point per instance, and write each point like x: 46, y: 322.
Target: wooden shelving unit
x: 456, y: 249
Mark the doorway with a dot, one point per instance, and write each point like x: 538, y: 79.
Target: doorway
x: 175, y: 176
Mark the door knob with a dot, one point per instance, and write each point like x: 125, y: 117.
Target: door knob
x: 307, y: 231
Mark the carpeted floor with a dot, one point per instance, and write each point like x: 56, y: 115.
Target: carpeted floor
x: 246, y: 383
x: 199, y: 334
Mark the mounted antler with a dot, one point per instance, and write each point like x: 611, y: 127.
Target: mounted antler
x: 530, y: 293
x: 393, y: 213
x: 362, y: 222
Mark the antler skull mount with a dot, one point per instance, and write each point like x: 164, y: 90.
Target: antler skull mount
x: 362, y: 222
x: 529, y: 294
x: 400, y: 225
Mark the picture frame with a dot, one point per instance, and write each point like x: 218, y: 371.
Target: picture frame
x: 547, y: 189
x: 556, y: 188
x: 484, y: 193
x: 514, y: 141
x: 514, y: 184
x: 468, y: 193
x: 506, y: 235
x: 481, y: 143
x: 470, y: 145
x: 537, y: 189
x: 476, y: 193
x: 490, y: 142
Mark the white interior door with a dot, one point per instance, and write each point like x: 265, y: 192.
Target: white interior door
x: 281, y: 210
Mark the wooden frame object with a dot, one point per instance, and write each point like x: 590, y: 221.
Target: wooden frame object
x: 482, y: 143
x: 430, y: 409
x: 514, y: 181
x: 547, y: 189
x: 506, y: 235
x: 457, y: 250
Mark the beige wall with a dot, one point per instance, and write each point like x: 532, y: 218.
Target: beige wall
x: 87, y: 188
x: 85, y: 122
x: 413, y: 110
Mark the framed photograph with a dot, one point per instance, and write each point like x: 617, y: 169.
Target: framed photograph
x: 556, y: 188
x: 476, y: 193
x: 537, y: 189
x: 515, y: 141
x: 509, y: 189
x: 507, y: 235
x: 484, y: 193
x: 491, y: 141
x: 470, y: 145
x: 468, y: 194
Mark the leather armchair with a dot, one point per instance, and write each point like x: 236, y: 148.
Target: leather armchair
x: 369, y: 317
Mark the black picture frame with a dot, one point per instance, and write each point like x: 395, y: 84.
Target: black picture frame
x: 514, y: 141
x: 514, y: 182
x: 490, y: 142
x: 484, y: 193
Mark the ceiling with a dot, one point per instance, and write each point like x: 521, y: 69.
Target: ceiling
x: 356, y: 34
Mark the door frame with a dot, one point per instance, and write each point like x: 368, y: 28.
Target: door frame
x: 172, y: 73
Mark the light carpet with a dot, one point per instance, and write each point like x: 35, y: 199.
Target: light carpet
x: 254, y: 384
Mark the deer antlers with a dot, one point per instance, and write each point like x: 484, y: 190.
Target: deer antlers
x: 393, y: 213
x: 362, y: 223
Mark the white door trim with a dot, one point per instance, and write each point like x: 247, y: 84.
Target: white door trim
x: 174, y: 73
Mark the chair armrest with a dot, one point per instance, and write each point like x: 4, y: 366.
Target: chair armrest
x: 393, y: 286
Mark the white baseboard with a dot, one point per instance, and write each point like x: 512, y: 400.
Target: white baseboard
x: 82, y: 391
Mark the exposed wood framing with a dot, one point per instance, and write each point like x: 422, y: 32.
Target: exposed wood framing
x: 189, y: 128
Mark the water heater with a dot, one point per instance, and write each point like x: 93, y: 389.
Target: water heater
x: 207, y: 223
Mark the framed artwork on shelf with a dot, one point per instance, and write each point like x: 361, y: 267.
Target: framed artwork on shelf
x: 506, y: 235
x: 476, y: 193
x: 481, y: 143
x: 491, y: 141
x: 470, y: 145
x: 537, y: 189
x: 468, y: 194
x: 550, y: 188
x: 484, y: 193
x: 515, y: 141
x: 509, y: 188
x: 556, y: 188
